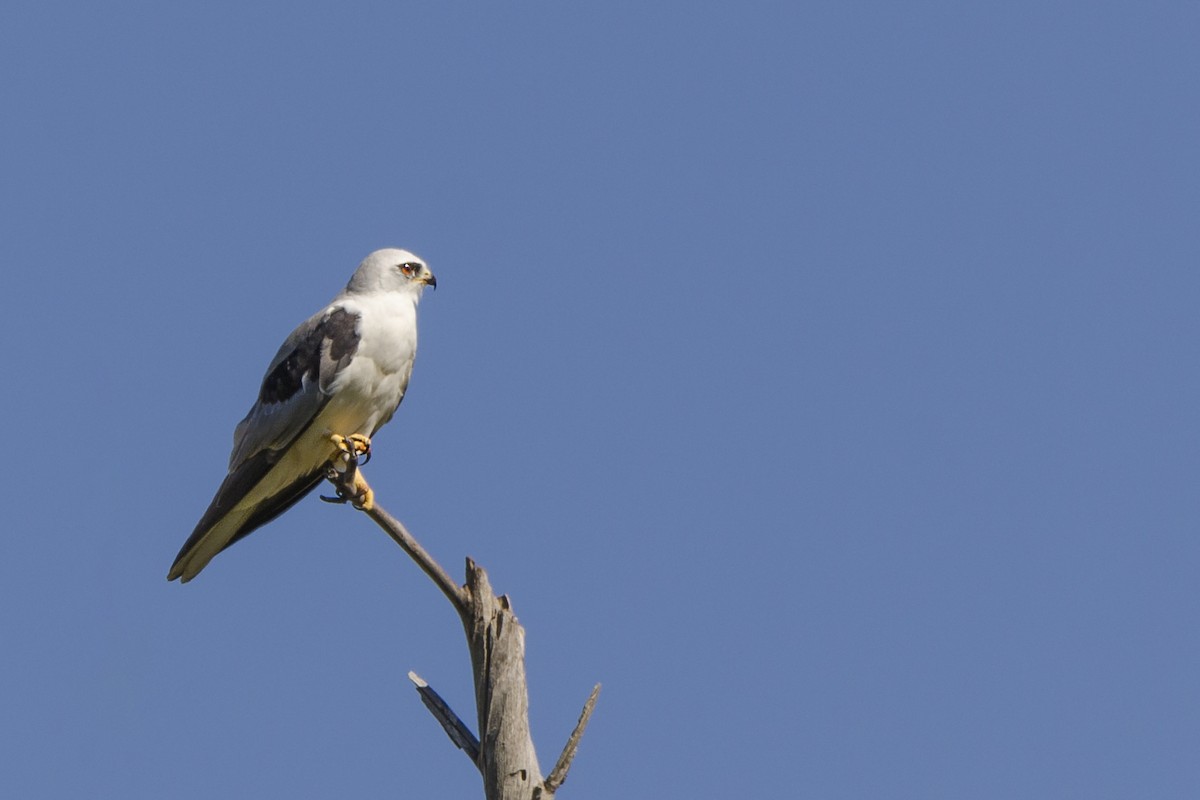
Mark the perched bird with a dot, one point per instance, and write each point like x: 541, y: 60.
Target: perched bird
x: 334, y: 382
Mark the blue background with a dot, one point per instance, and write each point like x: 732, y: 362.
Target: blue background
x: 820, y: 378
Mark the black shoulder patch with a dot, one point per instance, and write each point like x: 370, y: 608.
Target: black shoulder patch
x: 340, y: 331
x: 335, y: 331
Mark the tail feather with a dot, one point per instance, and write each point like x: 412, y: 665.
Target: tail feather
x: 235, y: 512
x: 206, y: 543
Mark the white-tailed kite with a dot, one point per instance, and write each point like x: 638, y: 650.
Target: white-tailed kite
x: 334, y: 382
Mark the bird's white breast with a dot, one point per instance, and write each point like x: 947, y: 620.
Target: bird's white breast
x: 367, y: 391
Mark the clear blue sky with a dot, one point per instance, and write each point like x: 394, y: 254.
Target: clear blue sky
x: 821, y: 378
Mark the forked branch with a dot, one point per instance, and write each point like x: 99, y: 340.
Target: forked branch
x: 504, y: 751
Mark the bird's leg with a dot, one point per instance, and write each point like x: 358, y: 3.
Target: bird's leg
x: 352, y: 487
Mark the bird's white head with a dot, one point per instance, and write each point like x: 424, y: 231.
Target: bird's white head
x: 391, y: 270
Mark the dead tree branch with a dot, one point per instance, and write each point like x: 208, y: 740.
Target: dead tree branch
x: 504, y: 751
x: 455, y: 728
x: 558, y: 775
x: 400, y: 535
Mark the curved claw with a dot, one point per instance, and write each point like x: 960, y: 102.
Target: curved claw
x: 351, y: 486
x: 358, y: 442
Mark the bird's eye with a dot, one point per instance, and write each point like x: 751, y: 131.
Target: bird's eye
x: 409, y: 269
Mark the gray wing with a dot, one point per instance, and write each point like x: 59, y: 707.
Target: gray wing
x: 296, y: 385
x: 293, y: 392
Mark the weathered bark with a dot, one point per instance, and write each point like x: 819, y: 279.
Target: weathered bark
x: 503, y: 752
x: 497, y: 642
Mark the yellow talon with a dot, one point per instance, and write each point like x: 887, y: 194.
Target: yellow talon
x: 361, y: 443
x: 356, y: 444
x: 364, y: 496
x: 352, y: 447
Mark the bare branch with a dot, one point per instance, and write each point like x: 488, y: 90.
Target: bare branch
x: 400, y: 535
x: 559, y: 774
x: 455, y: 728
x: 504, y: 751
x: 351, y: 485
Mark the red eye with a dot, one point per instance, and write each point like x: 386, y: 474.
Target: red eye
x: 408, y: 269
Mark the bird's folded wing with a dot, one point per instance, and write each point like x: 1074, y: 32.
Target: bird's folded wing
x: 296, y: 385
x: 293, y: 393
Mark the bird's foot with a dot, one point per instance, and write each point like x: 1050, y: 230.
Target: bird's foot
x: 364, y: 495
x: 351, y: 488
x: 356, y: 447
